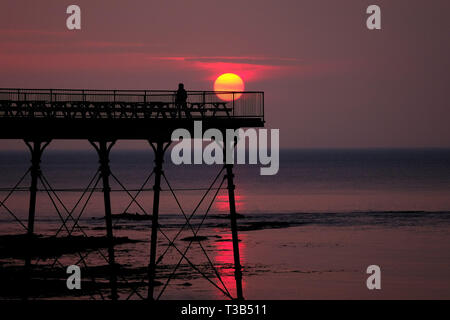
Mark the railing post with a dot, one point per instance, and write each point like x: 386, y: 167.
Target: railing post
x: 262, y: 105
x: 233, y: 103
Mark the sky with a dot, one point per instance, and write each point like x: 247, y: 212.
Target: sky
x: 329, y: 82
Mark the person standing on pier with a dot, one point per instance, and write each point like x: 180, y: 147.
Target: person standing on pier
x: 180, y: 99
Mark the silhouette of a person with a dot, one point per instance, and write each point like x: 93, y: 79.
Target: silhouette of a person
x: 180, y: 99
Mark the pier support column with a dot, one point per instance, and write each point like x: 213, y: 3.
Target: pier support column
x: 234, y: 232
x: 103, y: 150
x: 36, y: 149
x: 159, y: 159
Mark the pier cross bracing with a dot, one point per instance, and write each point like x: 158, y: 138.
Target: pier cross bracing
x: 38, y: 116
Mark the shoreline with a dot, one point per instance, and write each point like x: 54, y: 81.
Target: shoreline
x: 319, y: 262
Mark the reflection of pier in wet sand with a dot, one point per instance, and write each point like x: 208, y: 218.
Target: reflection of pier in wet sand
x: 102, y: 117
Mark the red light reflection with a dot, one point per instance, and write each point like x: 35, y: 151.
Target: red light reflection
x: 224, y: 260
x: 222, y: 204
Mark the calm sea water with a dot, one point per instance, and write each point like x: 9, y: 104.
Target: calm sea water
x: 309, y: 181
x: 351, y: 183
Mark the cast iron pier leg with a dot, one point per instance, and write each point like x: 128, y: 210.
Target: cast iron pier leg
x: 103, y: 151
x: 234, y: 233
x: 36, y: 150
x: 159, y: 159
x: 36, y: 153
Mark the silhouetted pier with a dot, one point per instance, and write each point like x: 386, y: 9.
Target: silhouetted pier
x: 120, y: 114
x: 102, y: 117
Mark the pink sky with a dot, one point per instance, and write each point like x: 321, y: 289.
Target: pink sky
x: 328, y: 81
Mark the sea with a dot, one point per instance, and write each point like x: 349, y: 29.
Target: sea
x: 316, y: 192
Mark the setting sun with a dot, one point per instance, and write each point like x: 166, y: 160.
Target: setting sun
x: 229, y: 82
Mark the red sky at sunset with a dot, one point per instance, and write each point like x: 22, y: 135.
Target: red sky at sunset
x: 328, y: 81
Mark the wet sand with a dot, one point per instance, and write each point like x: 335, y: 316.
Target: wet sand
x: 311, y: 262
x: 315, y: 260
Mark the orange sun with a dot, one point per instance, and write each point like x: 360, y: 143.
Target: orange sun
x: 228, y: 82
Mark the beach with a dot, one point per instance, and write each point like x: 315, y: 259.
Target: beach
x: 310, y: 233
x: 331, y: 263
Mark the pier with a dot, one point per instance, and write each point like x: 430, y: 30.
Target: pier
x: 102, y: 117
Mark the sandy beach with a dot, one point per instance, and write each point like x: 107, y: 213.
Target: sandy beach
x: 311, y: 262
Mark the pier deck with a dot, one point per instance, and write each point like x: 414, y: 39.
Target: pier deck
x: 120, y: 114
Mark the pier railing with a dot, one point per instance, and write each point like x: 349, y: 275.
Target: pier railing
x: 78, y: 103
